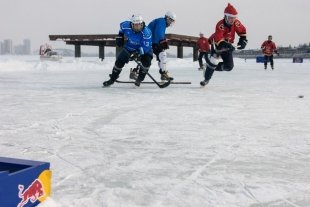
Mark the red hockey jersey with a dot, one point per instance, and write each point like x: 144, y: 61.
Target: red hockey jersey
x: 225, y: 33
x: 269, y: 47
x: 203, y: 44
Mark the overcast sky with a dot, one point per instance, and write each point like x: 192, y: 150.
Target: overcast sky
x: 286, y: 20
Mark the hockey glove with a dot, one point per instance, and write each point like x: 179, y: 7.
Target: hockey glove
x: 156, y: 48
x: 242, y: 43
x: 135, y: 55
x: 226, y: 46
x: 276, y: 51
x: 164, y: 44
x: 119, y: 40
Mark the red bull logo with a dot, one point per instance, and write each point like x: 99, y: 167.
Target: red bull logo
x: 32, y: 193
x: 38, y: 190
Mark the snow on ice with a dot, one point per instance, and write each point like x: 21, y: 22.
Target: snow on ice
x: 244, y: 140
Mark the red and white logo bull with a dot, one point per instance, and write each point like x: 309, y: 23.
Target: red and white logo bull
x: 32, y: 193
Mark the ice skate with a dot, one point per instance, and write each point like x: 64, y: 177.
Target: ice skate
x: 165, y: 76
x: 204, y: 82
x: 133, y: 73
x: 108, y: 83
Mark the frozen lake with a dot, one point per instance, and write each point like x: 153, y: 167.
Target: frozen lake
x: 244, y: 140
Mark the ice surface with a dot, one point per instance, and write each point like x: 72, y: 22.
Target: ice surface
x: 244, y: 140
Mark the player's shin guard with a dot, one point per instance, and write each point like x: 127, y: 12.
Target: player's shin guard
x: 212, y: 63
x: 162, y: 64
x: 208, y: 74
x: 141, y: 76
x: 115, y: 74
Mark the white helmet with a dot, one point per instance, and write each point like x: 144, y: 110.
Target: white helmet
x: 171, y: 15
x: 137, y: 23
x: 136, y: 19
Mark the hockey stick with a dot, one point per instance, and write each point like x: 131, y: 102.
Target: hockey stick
x: 224, y: 50
x: 149, y: 82
x: 164, y: 85
x: 233, y: 48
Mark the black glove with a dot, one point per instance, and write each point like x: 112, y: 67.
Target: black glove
x: 156, y: 48
x: 119, y: 40
x: 226, y: 46
x: 164, y: 44
x: 276, y: 51
x: 242, y: 43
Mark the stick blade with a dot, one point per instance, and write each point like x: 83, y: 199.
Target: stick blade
x: 166, y: 84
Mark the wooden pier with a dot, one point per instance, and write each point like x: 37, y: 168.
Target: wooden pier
x: 108, y: 40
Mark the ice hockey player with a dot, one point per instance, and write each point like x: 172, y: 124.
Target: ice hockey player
x: 159, y: 42
x: 268, y: 48
x: 203, y: 49
x: 222, y: 41
x: 138, y: 45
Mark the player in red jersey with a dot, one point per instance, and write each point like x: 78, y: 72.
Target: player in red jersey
x: 268, y: 48
x: 222, y: 41
x: 203, y: 48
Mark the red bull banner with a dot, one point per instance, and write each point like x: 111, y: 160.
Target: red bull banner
x: 23, y: 183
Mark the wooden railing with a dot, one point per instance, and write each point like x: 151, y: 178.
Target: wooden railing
x: 103, y: 40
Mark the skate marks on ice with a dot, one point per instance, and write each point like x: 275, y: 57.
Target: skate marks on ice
x: 242, y: 142
x: 206, y: 193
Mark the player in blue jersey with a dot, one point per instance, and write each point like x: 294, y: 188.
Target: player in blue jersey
x: 159, y: 43
x: 138, y: 44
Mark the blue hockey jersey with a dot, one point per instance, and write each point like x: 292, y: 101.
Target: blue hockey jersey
x: 158, y: 28
x: 136, y: 41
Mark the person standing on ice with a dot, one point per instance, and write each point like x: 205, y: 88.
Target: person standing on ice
x: 138, y: 45
x: 159, y: 42
x: 268, y: 48
x: 222, y: 41
x: 203, y: 49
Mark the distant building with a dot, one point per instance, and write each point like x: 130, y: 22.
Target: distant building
x: 27, y: 46
x: 24, y: 49
x: 19, y: 50
x: 7, y: 46
x: 1, y: 48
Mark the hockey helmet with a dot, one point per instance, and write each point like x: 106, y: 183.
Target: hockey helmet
x: 170, y: 18
x: 137, y: 22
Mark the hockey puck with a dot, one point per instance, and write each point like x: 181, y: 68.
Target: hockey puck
x: 300, y: 96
